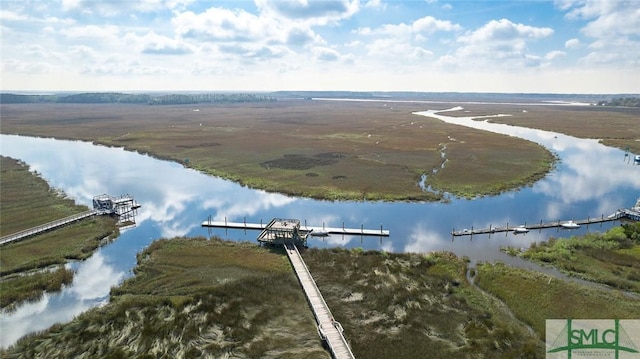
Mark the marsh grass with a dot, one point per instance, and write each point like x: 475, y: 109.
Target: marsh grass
x: 193, y: 297
x: 534, y: 297
x: 247, y: 143
x: 617, y: 127
x: 414, y: 306
x: 611, y: 258
x: 27, y: 201
x: 31, y: 287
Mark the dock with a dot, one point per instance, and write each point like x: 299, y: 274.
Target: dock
x: 124, y: 207
x: 542, y: 225
x: 45, y: 227
x: 329, y: 330
x: 319, y: 230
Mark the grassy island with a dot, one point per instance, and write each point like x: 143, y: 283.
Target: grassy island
x: 321, y: 149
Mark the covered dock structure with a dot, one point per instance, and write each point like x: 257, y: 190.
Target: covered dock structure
x: 280, y: 231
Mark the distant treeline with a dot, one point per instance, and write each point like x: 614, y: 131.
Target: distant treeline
x: 622, y: 101
x: 114, y: 97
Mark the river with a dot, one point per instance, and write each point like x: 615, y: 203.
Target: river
x: 590, y: 180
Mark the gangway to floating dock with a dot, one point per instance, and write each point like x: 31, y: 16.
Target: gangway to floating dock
x: 123, y: 207
x: 45, y: 227
x: 542, y: 225
x: 329, y: 330
x: 303, y: 228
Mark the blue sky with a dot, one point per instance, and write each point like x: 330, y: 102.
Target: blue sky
x: 561, y: 46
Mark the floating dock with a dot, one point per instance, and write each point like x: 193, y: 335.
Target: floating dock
x: 304, y: 229
x: 625, y: 213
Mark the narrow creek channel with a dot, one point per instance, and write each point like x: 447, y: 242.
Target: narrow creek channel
x: 591, y: 180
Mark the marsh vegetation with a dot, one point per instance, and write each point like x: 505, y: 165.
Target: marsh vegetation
x: 192, y: 297
x: 613, y: 126
x: 611, y: 258
x: 290, y: 146
x: 30, y: 267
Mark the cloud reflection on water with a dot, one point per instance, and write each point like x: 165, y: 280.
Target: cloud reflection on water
x: 91, y: 285
x: 588, y: 169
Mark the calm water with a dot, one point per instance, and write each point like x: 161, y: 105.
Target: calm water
x: 591, y: 180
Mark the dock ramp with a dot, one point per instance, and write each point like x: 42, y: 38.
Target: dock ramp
x: 329, y: 329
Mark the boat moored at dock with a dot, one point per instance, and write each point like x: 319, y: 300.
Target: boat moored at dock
x: 570, y: 225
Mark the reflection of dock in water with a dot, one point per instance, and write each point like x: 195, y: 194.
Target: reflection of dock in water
x: 542, y: 225
x: 304, y: 229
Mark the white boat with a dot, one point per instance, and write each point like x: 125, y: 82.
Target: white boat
x: 570, y: 225
x: 520, y: 229
x: 318, y: 233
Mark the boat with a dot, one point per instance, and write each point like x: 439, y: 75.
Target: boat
x: 318, y: 233
x: 570, y: 225
x: 520, y: 229
x: 636, y: 159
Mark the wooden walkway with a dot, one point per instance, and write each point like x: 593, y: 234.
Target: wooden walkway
x: 303, y: 228
x: 328, y: 328
x: 45, y: 227
x: 533, y: 226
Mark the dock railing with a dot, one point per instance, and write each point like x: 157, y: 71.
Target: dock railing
x: 45, y: 227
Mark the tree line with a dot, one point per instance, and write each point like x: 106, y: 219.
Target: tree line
x: 128, y: 98
x: 622, y: 101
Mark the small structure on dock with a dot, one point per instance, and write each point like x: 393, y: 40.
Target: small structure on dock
x: 124, y: 207
x: 281, y: 231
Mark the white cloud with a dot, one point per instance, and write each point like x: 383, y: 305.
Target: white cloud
x: 504, y: 30
x: 614, y: 27
x: 552, y: 55
x: 312, y: 12
x: 572, y: 44
x: 294, y: 43
x: 96, y: 32
x: 326, y: 54
x: 424, y: 25
x: 376, y: 4
x: 498, y: 41
x: 219, y: 24
x: 152, y: 43
x: 114, y: 8
x: 8, y: 15
x: 302, y: 35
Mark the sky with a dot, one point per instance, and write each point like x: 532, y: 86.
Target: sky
x: 560, y: 46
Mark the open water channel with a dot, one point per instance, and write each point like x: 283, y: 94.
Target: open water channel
x: 590, y: 180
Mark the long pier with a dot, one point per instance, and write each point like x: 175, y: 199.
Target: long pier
x: 45, y: 227
x: 330, y: 330
x: 542, y: 225
x: 304, y: 228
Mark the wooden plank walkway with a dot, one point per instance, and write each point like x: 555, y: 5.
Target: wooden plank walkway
x: 303, y: 228
x: 45, y: 227
x: 329, y: 329
x: 533, y: 226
